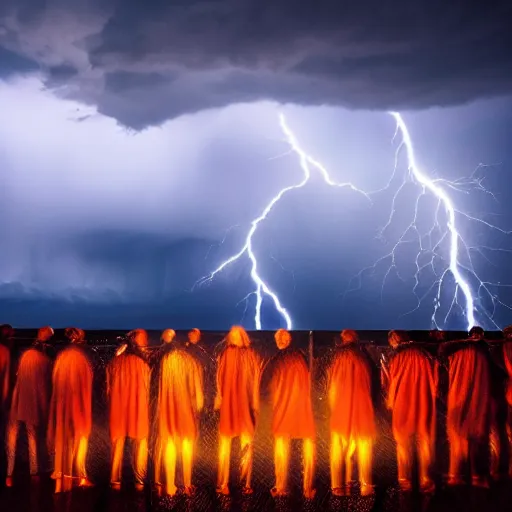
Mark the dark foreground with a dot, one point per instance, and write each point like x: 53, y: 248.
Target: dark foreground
x: 38, y: 496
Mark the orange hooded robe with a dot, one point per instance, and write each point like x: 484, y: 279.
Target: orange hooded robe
x: 5, y: 366
x: 71, y: 404
x: 238, y: 387
x: 350, y: 394
x: 291, y: 396
x: 31, y: 396
x: 469, y: 389
x: 411, y: 392
x: 128, y: 381
x: 507, y: 358
x: 180, y: 395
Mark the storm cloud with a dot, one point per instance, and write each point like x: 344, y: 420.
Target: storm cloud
x: 143, y: 63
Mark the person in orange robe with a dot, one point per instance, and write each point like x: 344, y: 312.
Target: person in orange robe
x: 6, y: 334
x: 128, y: 380
x: 507, y: 359
x: 352, y: 420
x: 166, y: 338
x: 238, y: 387
x: 468, y: 404
x: 409, y: 379
x: 30, y: 401
x: 194, y: 337
x: 292, y: 417
x: 180, y: 400
x: 71, y: 412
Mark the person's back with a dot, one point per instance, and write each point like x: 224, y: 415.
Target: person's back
x: 237, y: 399
x: 469, y: 401
x: 410, y: 381
x: 31, y: 396
x: 30, y: 401
x: 350, y: 394
x: 180, y: 394
x: 412, y: 391
x: 128, y: 387
x: 469, y: 389
x: 291, y: 397
x: 238, y: 378
x: 72, y: 389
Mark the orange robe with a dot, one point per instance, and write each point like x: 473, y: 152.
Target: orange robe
x: 31, y: 397
x: 128, y: 380
x: 507, y: 358
x: 350, y: 394
x: 71, y: 404
x: 180, y: 395
x: 411, y: 395
x: 469, y: 389
x: 5, y: 366
x: 238, y: 382
x: 291, y: 396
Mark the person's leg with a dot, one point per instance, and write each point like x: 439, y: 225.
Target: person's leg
x: 281, y: 459
x: 364, y: 461
x: 32, y: 449
x: 425, y: 462
x: 246, y: 458
x: 458, y: 456
x: 159, y: 448
x: 308, y: 449
x: 404, y: 456
x: 336, y: 453
x: 224, y: 459
x: 140, y: 462
x: 117, y: 462
x: 170, y: 466
x: 82, y: 446
x: 187, y: 457
x: 349, y: 447
x: 10, y: 446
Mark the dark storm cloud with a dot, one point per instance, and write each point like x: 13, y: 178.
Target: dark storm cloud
x: 11, y: 63
x: 145, y: 62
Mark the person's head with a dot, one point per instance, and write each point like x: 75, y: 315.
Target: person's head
x: 476, y: 333
x: 348, y: 336
x: 194, y: 336
x: 6, y: 332
x: 138, y: 337
x: 238, y: 337
x: 168, y: 336
x: 45, y: 334
x: 507, y: 332
x: 437, y: 335
x: 396, y: 338
x: 283, y: 339
x: 75, y: 335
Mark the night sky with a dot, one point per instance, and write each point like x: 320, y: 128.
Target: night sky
x: 138, y: 140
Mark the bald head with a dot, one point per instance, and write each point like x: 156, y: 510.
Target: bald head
x: 75, y: 335
x: 194, y: 336
x: 139, y: 337
x: 45, y: 334
x: 283, y: 339
x: 168, y: 336
x: 349, y: 336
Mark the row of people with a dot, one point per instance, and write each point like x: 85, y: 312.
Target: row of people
x: 409, y: 379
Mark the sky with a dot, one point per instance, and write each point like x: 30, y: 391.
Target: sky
x: 139, y: 140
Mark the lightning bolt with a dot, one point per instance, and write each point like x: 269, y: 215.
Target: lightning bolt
x: 446, y: 231
x: 441, y: 232
x: 307, y: 163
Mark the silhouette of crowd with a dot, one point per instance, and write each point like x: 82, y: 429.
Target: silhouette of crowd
x: 49, y: 397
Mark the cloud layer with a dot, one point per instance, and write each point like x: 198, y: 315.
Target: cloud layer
x: 143, y: 63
